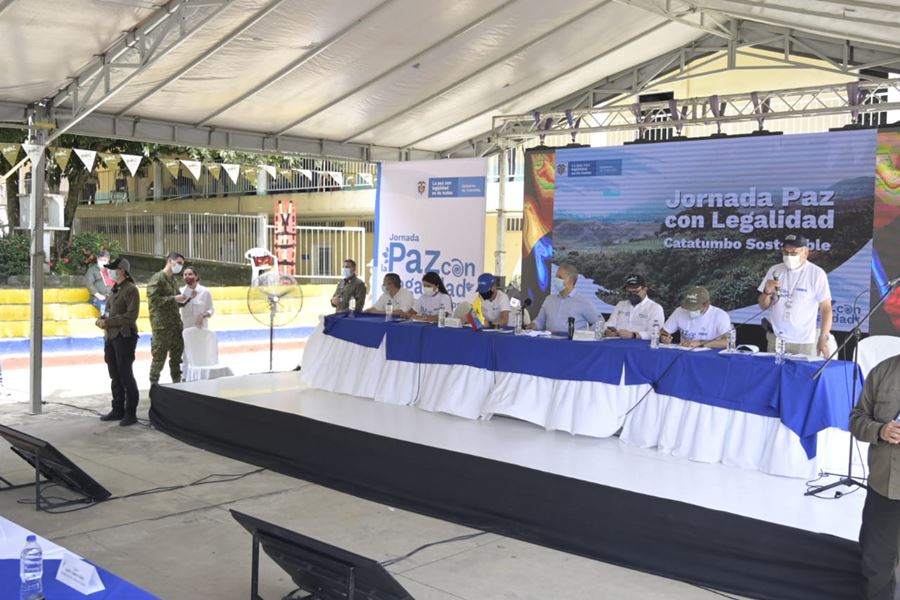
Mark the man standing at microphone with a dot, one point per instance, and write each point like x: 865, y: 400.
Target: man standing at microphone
x: 796, y: 292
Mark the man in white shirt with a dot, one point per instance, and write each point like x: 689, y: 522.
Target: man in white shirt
x: 634, y: 316
x: 564, y: 304
x: 698, y: 322
x: 400, y: 297
x: 494, y: 303
x: 796, y: 292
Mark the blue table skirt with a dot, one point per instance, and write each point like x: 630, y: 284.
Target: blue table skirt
x: 116, y: 588
x: 752, y: 384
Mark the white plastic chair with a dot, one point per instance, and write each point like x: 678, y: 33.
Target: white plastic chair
x: 261, y: 261
x: 201, y: 351
x: 874, y: 349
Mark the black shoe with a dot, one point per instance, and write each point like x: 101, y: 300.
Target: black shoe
x: 112, y: 415
x: 128, y: 420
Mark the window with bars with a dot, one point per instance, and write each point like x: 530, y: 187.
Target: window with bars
x: 657, y: 115
x: 321, y: 223
x: 368, y: 225
x: 514, y: 223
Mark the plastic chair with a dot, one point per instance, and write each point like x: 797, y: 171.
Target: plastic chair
x: 201, y: 351
x: 261, y: 261
x: 874, y: 349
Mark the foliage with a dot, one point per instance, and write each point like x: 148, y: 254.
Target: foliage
x: 80, y: 251
x: 15, y: 252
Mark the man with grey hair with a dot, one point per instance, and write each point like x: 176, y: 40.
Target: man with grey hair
x: 565, y: 303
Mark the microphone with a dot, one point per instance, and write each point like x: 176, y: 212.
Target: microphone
x: 571, y: 330
x: 777, y: 289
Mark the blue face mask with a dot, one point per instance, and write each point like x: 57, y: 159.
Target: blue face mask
x: 558, y: 285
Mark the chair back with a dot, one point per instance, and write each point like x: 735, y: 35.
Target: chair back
x: 201, y: 348
x: 876, y: 348
x: 261, y: 261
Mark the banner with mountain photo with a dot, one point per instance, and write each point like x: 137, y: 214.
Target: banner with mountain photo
x: 712, y: 212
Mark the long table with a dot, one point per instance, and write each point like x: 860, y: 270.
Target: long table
x: 12, y: 540
x: 705, y: 405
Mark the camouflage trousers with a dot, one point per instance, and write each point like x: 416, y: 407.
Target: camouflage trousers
x: 166, y: 343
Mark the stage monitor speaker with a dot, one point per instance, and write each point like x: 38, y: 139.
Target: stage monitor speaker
x: 325, y: 571
x: 53, y: 466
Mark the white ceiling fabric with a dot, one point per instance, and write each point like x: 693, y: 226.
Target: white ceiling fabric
x: 428, y: 73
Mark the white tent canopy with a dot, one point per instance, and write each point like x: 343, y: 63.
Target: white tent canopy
x: 367, y: 78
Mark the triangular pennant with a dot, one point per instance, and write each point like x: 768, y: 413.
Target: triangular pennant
x: 249, y: 174
x: 10, y: 152
x: 133, y: 162
x: 61, y: 157
x: 87, y: 157
x: 337, y: 176
x: 305, y: 172
x: 194, y: 167
x: 366, y: 178
x: 110, y: 160
x: 172, y: 166
x: 286, y: 173
x: 233, y: 171
x: 215, y: 169
x: 268, y: 169
x: 34, y: 151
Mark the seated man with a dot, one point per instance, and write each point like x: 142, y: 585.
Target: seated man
x: 400, y: 297
x: 494, y: 303
x: 634, y: 316
x: 565, y: 303
x: 98, y: 282
x: 698, y: 322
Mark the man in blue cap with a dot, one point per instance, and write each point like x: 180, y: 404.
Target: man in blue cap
x: 494, y: 303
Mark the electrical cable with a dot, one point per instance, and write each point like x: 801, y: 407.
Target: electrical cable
x: 143, y: 422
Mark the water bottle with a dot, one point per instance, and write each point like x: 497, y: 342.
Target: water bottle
x: 31, y: 570
x: 388, y: 310
x: 779, y: 349
x: 441, y: 318
x: 732, y: 340
x: 654, y: 335
x: 599, y: 329
x: 517, y: 322
x: 351, y: 307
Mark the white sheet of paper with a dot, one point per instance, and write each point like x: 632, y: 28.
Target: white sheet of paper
x: 79, y: 575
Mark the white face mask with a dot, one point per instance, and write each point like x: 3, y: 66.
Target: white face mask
x: 791, y: 262
x: 695, y: 314
x: 431, y: 291
x: 346, y: 273
x: 102, y: 262
x: 176, y: 268
x: 558, y: 285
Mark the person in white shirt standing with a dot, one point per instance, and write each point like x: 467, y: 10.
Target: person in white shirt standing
x: 433, y: 300
x: 697, y: 322
x: 796, y: 292
x: 198, y: 307
x: 494, y: 303
x: 634, y: 316
x: 400, y: 297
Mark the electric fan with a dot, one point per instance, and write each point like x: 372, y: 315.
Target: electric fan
x: 274, y: 299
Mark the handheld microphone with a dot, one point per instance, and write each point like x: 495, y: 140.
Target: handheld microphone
x: 571, y: 330
x: 777, y: 289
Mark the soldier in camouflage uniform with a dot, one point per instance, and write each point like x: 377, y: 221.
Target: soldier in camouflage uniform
x: 165, y: 319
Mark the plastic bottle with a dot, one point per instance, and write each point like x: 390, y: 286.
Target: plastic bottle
x: 779, y: 349
x: 654, y: 335
x: 388, y: 310
x: 351, y: 308
x: 517, y: 322
x: 732, y: 340
x: 599, y: 329
x: 31, y: 570
x: 441, y: 318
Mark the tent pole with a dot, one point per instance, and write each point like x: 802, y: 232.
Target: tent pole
x: 34, y: 147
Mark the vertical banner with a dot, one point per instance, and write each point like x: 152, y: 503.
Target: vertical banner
x: 886, y: 233
x: 537, y: 224
x: 285, y: 238
x: 429, y: 216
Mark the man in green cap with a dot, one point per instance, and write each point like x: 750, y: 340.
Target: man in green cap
x: 165, y: 320
x: 698, y: 322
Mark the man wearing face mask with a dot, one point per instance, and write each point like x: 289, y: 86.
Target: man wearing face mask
x: 98, y: 282
x: 164, y: 300
x: 634, y: 316
x: 349, y: 287
x: 393, y: 290
x: 494, y: 303
x: 697, y: 322
x: 120, y: 336
x: 796, y: 292
x: 565, y: 303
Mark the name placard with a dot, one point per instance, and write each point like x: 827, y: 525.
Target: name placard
x: 79, y: 575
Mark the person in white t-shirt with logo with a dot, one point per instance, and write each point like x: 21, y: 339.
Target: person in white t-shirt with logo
x: 634, y: 316
x: 434, y: 300
x: 494, y: 303
x: 796, y: 292
x: 698, y: 322
x: 400, y: 297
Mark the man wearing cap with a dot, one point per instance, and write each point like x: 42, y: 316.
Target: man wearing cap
x: 564, y: 304
x: 392, y: 289
x: 634, y: 316
x: 796, y: 292
x: 120, y: 337
x: 494, y: 303
x: 165, y: 300
x: 697, y: 321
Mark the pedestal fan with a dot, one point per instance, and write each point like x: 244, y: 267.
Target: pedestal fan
x: 274, y: 299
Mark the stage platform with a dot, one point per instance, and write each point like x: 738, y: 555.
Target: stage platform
x: 735, y: 530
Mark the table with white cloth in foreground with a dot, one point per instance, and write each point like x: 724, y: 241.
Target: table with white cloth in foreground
x: 702, y: 404
x: 12, y: 540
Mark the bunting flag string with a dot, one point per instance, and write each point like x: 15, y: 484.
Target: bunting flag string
x: 61, y: 157
x: 268, y: 169
x: 110, y: 160
x: 172, y: 166
x: 250, y: 174
x: 133, y: 162
x: 194, y: 167
x: 305, y: 172
x: 337, y: 176
x: 10, y: 152
x: 366, y: 178
x: 214, y: 169
x: 233, y: 171
x: 88, y: 157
